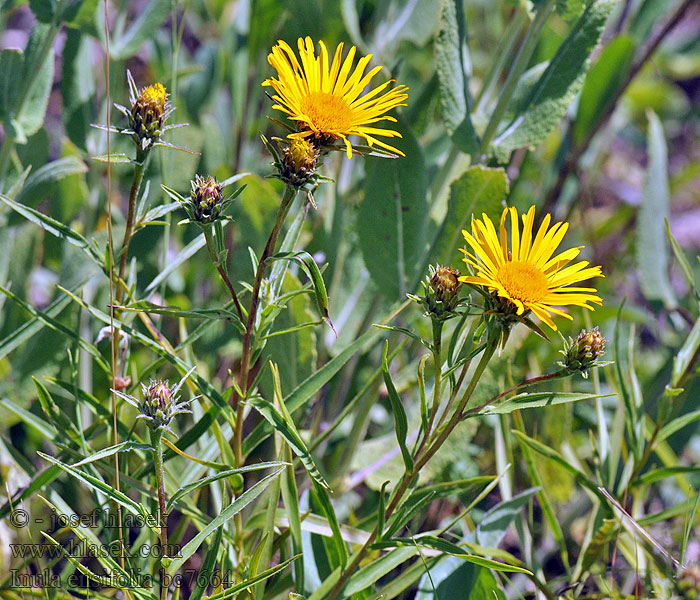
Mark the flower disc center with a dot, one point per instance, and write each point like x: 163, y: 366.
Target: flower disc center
x: 328, y: 114
x: 523, y: 281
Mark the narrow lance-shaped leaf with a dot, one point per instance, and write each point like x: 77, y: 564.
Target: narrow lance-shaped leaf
x: 400, y: 420
x: 172, y: 565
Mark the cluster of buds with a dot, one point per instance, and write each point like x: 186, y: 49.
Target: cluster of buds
x: 688, y: 583
x: 583, y: 353
x: 442, y: 288
x: 160, y: 403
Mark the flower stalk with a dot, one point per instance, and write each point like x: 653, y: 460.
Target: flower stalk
x: 287, y: 200
x: 220, y: 267
x: 157, y: 445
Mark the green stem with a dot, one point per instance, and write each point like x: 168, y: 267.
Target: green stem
x: 287, y: 200
x: 221, y: 268
x: 156, y: 443
x: 422, y: 459
x: 139, y: 169
x: 437, y: 359
x: 443, y: 433
x: 519, y: 65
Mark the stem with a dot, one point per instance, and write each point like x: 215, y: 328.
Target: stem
x: 520, y: 64
x: 222, y: 270
x: 407, y: 479
x: 139, y: 169
x: 456, y: 416
x: 156, y: 443
x: 289, y: 195
x: 437, y: 359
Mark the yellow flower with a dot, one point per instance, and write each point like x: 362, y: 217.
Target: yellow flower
x: 526, y: 274
x: 326, y: 101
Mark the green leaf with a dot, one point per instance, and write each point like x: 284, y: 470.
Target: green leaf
x: 141, y: 30
x: 122, y: 447
x: 11, y: 65
x: 400, y: 420
x: 658, y: 474
x: 289, y: 432
x: 100, y: 486
x: 235, y: 507
x: 453, y: 579
x: 652, y: 251
x: 43, y: 10
x: 44, y: 179
x: 307, y: 262
x: 213, y: 314
x: 183, y: 491
x: 603, y: 81
x: 187, y: 252
x: 677, y: 424
x: 536, y: 400
x: 687, y: 356
x: 478, y: 190
x: 553, y: 455
x: 244, y: 585
x: 203, y: 577
x: 312, y: 384
x: 377, y: 569
x: 494, y: 524
x: 682, y: 261
x: 115, y: 159
x: 451, y: 60
x: 52, y: 226
x: 393, y: 217
x: 466, y: 489
x: 541, y: 112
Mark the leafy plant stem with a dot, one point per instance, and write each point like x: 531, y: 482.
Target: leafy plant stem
x: 139, y: 169
x: 422, y: 459
x: 156, y: 443
x: 221, y: 268
x: 442, y: 434
x: 288, y: 198
x: 526, y: 382
x: 437, y: 359
x: 520, y: 63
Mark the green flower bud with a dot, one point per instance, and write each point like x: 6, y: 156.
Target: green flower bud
x: 148, y: 113
x: 688, y: 583
x: 299, y: 161
x: 206, y: 198
x: 583, y: 353
x: 442, y: 288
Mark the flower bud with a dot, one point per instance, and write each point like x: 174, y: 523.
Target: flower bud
x: 148, y: 113
x: 299, y: 159
x: 206, y: 197
x: 160, y: 404
x: 583, y: 353
x: 442, y: 288
x: 688, y: 583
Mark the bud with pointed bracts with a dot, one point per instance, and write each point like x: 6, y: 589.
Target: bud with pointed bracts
x: 582, y: 353
x: 688, y: 583
x: 442, y: 288
x: 160, y: 403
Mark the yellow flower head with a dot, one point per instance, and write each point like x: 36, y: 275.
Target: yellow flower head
x: 154, y: 94
x: 326, y: 101
x: 527, y: 275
